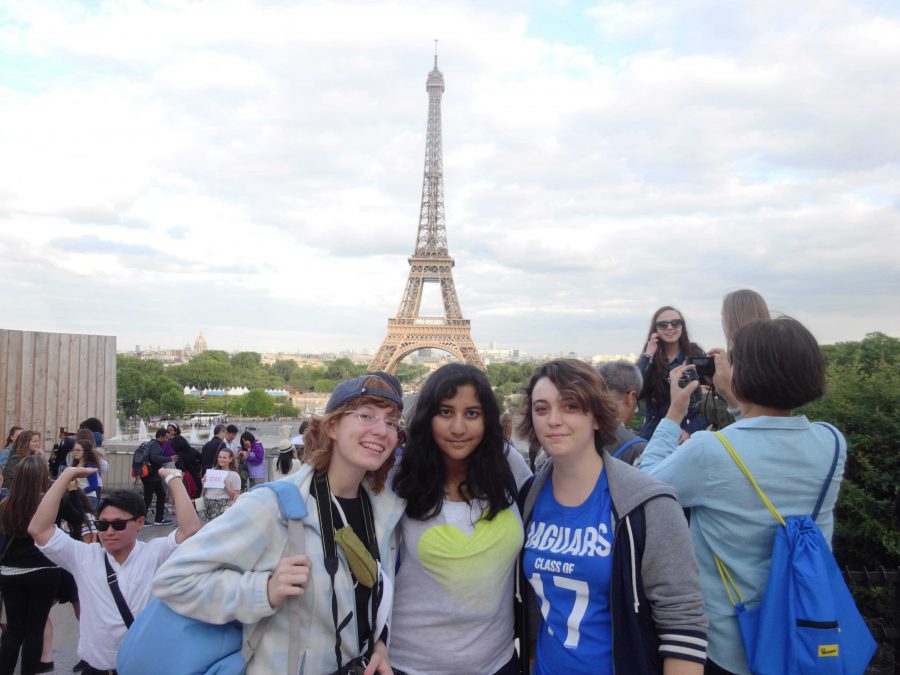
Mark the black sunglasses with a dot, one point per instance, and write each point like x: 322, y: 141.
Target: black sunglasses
x: 675, y: 323
x: 117, y: 525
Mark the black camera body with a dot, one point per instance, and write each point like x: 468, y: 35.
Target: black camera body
x: 705, y: 365
x: 688, y: 376
x: 355, y: 667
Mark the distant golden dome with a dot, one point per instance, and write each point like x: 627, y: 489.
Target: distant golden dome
x: 200, y: 344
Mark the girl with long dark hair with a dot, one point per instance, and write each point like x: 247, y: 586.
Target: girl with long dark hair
x: 83, y: 455
x: 460, y: 534
x: 667, y: 347
x: 254, y: 454
x: 28, y: 580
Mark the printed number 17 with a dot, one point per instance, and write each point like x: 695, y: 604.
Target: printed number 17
x: 573, y: 623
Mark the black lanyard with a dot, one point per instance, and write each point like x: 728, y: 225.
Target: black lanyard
x: 322, y: 494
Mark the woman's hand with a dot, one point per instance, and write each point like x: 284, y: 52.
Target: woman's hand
x: 681, y: 397
x: 73, y: 472
x: 722, y: 377
x: 652, y: 343
x: 379, y: 662
x: 289, y: 579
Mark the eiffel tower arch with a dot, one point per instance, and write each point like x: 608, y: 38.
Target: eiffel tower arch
x: 430, y: 263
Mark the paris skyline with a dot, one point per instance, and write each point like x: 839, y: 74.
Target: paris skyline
x: 256, y: 170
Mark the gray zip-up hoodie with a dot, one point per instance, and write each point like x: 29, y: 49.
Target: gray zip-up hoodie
x: 655, y: 597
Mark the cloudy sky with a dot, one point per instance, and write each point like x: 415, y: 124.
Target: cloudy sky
x: 254, y: 170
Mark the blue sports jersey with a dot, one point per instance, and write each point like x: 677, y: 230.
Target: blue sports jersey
x: 568, y: 560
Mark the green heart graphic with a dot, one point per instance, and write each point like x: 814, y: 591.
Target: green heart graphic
x: 472, y: 569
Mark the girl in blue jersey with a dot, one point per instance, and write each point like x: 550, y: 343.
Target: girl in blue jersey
x: 461, y: 532
x: 608, y: 560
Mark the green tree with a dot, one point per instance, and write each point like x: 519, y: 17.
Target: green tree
x: 257, y: 403
x: 324, y: 386
x: 173, y: 402
x: 285, y: 368
x: 342, y: 369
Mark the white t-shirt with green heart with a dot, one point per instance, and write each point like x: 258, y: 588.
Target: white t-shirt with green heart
x: 453, y: 594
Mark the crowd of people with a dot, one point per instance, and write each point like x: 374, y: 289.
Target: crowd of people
x: 432, y: 545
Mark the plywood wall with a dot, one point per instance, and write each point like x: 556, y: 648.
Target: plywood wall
x: 52, y: 380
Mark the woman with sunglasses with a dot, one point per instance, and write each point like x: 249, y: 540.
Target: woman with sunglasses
x: 668, y: 345
x: 28, y: 580
x: 461, y: 532
x: 236, y: 567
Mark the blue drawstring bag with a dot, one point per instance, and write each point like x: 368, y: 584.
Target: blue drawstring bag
x: 807, y: 622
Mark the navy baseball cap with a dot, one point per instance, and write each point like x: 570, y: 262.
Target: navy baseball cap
x: 350, y: 389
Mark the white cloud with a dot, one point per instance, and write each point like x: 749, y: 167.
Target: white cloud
x: 254, y: 169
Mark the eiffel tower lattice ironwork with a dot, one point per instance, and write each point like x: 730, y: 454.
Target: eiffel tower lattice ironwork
x: 430, y: 263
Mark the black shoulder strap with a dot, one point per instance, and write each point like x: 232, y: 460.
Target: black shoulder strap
x: 113, y: 581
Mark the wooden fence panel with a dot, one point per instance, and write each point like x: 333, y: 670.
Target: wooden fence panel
x: 52, y: 380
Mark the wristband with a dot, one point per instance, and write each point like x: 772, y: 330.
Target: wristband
x: 169, y: 478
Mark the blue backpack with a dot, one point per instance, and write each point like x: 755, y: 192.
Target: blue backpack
x: 162, y: 641
x: 807, y: 622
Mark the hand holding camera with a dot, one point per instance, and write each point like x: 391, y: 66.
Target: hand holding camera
x: 684, y: 385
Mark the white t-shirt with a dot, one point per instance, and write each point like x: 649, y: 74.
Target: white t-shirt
x: 232, y: 480
x: 453, y: 609
x: 101, y: 627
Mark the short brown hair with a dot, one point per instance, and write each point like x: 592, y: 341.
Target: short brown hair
x: 777, y: 363
x: 581, y: 383
x: 319, y: 446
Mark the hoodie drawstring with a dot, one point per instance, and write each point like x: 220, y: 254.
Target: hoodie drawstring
x: 634, y: 591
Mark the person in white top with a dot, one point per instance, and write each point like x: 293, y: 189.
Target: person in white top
x: 120, y: 517
x: 286, y: 463
x: 461, y: 532
x: 217, y: 499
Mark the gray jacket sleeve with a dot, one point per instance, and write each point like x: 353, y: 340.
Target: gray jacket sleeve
x: 156, y: 454
x: 669, y: 570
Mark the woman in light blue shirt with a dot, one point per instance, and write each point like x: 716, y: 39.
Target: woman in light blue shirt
x: 776, y: 367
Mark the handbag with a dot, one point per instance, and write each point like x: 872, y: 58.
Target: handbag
x: 807, y: 623
x: 194, y: 647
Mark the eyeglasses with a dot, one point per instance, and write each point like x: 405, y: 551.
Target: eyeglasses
x: 675, y: 323
x: 118, y: 525
x: 367, y: 420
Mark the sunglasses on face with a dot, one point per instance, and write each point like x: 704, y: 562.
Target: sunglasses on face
x: 675, y: 323
x: 117, y: 525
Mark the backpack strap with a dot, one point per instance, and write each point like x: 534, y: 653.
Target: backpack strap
x: 113, y: 580
x: 827, y: 484
x: 737, y: 460
x: 293, y: 509
x: 627, y: 444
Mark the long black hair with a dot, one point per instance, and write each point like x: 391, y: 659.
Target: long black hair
x: 421, y: 478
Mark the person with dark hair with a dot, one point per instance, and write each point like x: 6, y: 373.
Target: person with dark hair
x: 253, y: 453
x: 118, y: 556
x: 286, y: 463
x: 153, y: 485
x: 210, y: 453
x: 235, y: 569
x: 14, y: 432
x: 83, y: 455
x: 623, y: 379
x: 231, y: 439
x: 27, y: 443
x: 28, y: 580
x: 668, y: 345
x: 298, y: 439
x: 607, y: 558
x: 186, y: 458
x: 777, y: 366
x: 460, y: 534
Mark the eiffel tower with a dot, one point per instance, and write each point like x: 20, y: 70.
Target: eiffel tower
x: 430, y: 263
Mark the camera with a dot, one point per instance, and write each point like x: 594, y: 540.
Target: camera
x: 688, y: 376
x: 706, y: 366
x: 355, y: 667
